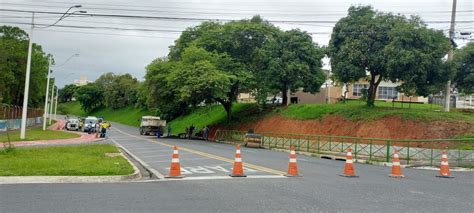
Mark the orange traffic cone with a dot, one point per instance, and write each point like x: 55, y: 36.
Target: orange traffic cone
x: 175, y: 168
x: 292, y: 165
x: 396, y: 168
x: 238, y: 170
x: 444, y: 171
x: 349, y: 166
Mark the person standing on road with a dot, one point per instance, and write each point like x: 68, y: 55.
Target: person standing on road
x: 168, y: 132
x: 91, y: 127
x: 206, y: 133
x: 191, y: 131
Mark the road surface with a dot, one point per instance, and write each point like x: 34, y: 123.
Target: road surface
x: 208, y: 188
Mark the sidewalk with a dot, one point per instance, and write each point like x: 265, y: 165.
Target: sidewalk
x: 84, y: 138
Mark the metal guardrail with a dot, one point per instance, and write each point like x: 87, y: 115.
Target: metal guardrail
x: 412, y: 152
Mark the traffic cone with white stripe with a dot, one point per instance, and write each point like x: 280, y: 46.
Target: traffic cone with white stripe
x: 396, y: 168
x: 292, y: 165
x: 238, y: 170
x: 175, y: 168
x: 349, y: 170
x: 444, y: 171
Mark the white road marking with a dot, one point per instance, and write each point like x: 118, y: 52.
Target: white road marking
x: 182, y: 160
x: 151, y: 169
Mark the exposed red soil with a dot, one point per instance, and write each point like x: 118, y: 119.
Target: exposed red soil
x: 387, y: 128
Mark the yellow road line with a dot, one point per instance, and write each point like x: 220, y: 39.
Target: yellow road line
x: 216, y: 157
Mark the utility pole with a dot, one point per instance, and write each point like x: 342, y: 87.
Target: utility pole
x: 51, y: 105
x: 24, y: 112
x: 56, y: 105
x: 447, y: 97
x: 45, y: 114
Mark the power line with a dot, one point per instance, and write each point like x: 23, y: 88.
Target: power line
x: 112, y: 34
x: 198, y: 12
x: 212, y: 9
x: 193, y: 19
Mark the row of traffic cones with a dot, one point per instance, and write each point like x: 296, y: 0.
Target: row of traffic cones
x: 349, y: 170
x: 396, y: 172
x: 175, y: 168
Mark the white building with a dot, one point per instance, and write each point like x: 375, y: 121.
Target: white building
x: 82, y: 81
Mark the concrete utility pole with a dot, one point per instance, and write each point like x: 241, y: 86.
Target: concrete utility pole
x: 24, y: 112
x: 56, y: 104
x: 51, y: 105
x: 447, y: 97
x: 45, y: 114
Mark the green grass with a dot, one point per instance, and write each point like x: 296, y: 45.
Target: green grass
x: 128, y: 116
x: 208, y: 115
x: 83, y: 160
x: 357, y: 110
x: 37, y: 133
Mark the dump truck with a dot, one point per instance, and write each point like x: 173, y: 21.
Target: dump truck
x: 150, y: 125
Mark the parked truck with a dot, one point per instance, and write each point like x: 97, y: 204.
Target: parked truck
x: 150, y: 125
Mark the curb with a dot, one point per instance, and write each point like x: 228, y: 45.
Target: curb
x: 74, y: 179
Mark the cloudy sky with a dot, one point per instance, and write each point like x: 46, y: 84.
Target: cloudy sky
x: 127, y: 45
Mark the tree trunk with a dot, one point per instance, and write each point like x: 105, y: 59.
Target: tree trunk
x: 372, y: 92
x: 228, y: 110
x: 284, y: 96
x: 227, y: 106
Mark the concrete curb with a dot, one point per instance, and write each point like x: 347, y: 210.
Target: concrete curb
x: 74, y: 179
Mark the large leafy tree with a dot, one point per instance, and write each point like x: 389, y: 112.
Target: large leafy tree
x: 464, y: 67
x: 234, y: 44
x: 290, y: 61
x: 382, y: 46
x: 67, y: 92
x: 13, y: 58
x: 121, y: 92
x: 156, y: 94
x: 90, y: 96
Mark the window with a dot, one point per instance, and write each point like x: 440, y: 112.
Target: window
x: 388, y: 93
x: 357, y: 89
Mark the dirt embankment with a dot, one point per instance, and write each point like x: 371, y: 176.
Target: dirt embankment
x: 388, y: 127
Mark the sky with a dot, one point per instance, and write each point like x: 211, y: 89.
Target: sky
x: 128, y: 45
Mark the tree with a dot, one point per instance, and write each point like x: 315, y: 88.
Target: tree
x: 121, y: 91
x: 156, y: 94
x: 291, y: 61
x: 67, y: 92
x: 90, y: 96
x: 234, y: 42
x: 464, y: 67
x: 203, y: 76
x: 383, y: 46
x: 13, y: 57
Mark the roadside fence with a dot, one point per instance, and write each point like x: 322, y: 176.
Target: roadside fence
x: 412, y: 152
x: 10, y: 117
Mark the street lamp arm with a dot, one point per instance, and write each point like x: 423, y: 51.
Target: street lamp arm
x: 67, y: 60
x: 65, y: 15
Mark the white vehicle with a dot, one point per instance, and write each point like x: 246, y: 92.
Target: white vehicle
x: 150, y: 125
x: 89, y: 123
x: 72, y: 124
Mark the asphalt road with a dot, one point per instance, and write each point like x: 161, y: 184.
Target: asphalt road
x: 207, y: 187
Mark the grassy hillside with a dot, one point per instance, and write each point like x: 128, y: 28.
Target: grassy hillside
x: 215, y: 114
x: 207, y: 115
x: 128, y: 116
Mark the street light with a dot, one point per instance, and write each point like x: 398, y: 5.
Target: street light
x: 47, y: 114
x: 28, y: 67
